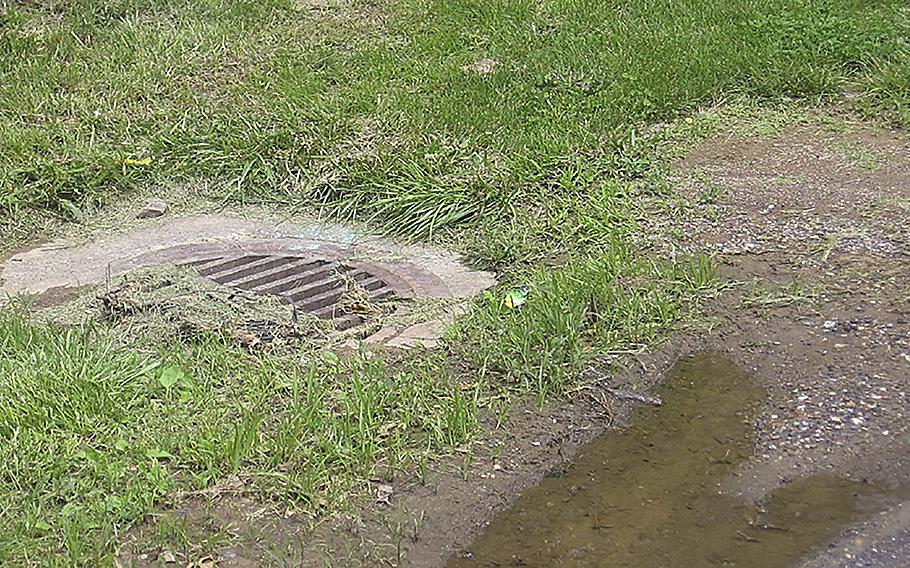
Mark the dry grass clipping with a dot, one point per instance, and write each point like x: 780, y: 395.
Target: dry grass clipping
x: 164, y: 303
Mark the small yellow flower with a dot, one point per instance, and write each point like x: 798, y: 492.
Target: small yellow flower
x: 142, y: 162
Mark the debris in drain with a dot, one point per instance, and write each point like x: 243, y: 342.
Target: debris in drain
x: 164, y: 303
x: 253, y: 333
x: 384, y: 494
x: 244, y: 287
x: 346, y: 293
x: 121, y: 300
x: 356, y: 300
x: 149, y: 306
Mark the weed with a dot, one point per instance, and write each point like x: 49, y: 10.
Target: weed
x: 418, y: 525
x: 862, y: 156
x: 763, y: 296
x: 593, y: 306
x: 711, y: 191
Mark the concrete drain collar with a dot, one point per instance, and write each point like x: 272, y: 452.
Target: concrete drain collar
x: 290, y: 261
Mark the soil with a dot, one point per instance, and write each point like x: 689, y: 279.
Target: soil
x: 817, y: 249
x: 810, y: 227
x: 645, y: 495
x: 817, y: 241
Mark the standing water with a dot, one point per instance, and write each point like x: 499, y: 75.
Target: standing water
x: 648, y: 497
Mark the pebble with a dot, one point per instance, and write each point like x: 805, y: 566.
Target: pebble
x: 153, y: 208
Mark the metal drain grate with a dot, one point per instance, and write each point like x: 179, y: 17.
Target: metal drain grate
x: 311, y: 285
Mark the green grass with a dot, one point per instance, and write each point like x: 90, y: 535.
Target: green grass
x: 605, y: 306
x: 364, y: 107
x: 369, y: 110
x: 94, y: 437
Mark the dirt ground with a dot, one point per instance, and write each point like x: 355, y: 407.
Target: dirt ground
x: 811, y: 228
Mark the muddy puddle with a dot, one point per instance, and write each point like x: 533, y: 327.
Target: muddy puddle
x: 647, y: 496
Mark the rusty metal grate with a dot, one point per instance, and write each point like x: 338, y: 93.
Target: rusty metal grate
x: 310, y: 285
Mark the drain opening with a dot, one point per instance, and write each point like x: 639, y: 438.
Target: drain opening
x: 310, y: 285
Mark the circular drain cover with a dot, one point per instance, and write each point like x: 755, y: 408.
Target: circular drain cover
x: 311, y: 285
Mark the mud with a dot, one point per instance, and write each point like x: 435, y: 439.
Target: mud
x: 648, y: 496
x: 815, y: 244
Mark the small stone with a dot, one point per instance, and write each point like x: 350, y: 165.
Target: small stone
x: 381, y: 336
x: 427, y: 334
x: 383, y: 493
x: 153, y: 208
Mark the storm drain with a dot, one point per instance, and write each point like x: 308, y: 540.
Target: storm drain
x: 314, y: 286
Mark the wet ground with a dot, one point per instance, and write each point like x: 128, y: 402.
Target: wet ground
x: 648, y: 496
x: 809, y: 227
